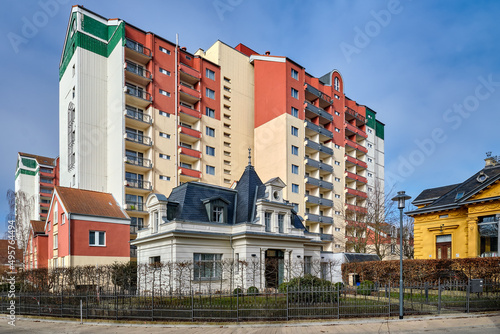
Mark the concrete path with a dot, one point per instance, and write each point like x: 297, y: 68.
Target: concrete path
x: 464, y: 323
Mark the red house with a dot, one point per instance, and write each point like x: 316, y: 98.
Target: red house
x: 85, y: 228
x: 35, y: 255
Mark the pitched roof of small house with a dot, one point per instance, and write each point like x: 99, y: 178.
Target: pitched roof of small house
x: 91, y: 203
x: 40, y: 159
x: 37, y: 226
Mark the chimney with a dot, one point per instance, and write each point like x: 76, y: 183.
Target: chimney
x: 183, y: 48
x: 490, y: 161
x: 268, y: 53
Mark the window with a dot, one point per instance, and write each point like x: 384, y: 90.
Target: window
x: 337, y: 179
x: 56, y: 214
x: 337, y: 229
x: 56, y: 242
x: 163, y: 92
x: 370, y: 174
x: 186, y: 165
x: 164, y: 156
x: 295, y: 74
x: 188, y: 57
x: 337, y: 163
x: 97, y: 238
x: 337, y: 246
x: 210, y: 93
x: 207, y: 266
x: 210, y: 131
x: 154, y: 260
x: 164, y: 135
x: 226, y: 79
x: 227, y: 89
x: 307, y: 264
x: 370, y: 159
x: 210, y: 170
x: 337, y: 130
x: 295, y: 112
x: 370, y: 145
x: 295, y: 150
x: 295, y: 188
x: 295, y: 131
x: 62, y: 218
x: 210, y: 150
x: 295, y: 93
x: 337, y: 213
x: 209, y: 112
x: 337, y: 146
x: 370, y: 130
x: 267, y: 219
x: 281, y: 222
x: 162, y: 49
x: 164, y: 71
x: 336, y: 84
x: 337, y: 196
x: 295, y: 169
x: 164, y: 178
x: 162, y: 113
x: 74, y: 70
x: 218, y: 214
x: 337, y: 113
x: 210, y: 74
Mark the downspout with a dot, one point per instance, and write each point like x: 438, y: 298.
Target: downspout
x: 176, y: 112
x: 69, y: 241
x: 231, y: 238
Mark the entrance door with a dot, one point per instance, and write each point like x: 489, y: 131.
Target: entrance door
x: 274, y: 267
x: 443, y: 246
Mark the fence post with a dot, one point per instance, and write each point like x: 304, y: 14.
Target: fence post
x: 81, y: 311
x: 427, y: 292
x: 439, y: 297
x: 338, y: 301
x: 287, y: 302
x: 116, y: 305
x: 192, y: 305
x: 62, y: 301
x: 153, y: 303
x: 237, y: 305
x: 39, y: 302
x: 87, y: 304
x: 468, y: 297
x: 389, y: 298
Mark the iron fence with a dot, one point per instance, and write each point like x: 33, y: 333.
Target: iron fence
x: 332, y: 302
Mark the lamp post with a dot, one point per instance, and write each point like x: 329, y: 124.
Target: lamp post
x: 401, y: 199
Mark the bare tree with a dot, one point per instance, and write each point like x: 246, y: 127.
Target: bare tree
x: 22, y: 210
x: 408, y: 224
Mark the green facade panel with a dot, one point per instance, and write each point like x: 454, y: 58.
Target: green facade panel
x: 26, y: 172
x: 370, y: 118
x: 30, y: 163
x: 112, y: 34
x: 379, y: 130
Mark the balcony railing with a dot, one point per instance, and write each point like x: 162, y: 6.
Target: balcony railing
x: 190, y: 132
x: 134, y: 206
x: 356, y: 177
x: 139, y: 93
x: 356, y: 192
x: 318, y: 111
x: 190, y: 71
x: 326, y: 237
x: 190, y: 172
x: 356, y: 208
x: 355, y: 114
x: 319, y: 147
x: 319, y: 165
x: 138, y: 115
x: 319, y: 201
x: 138, y: 70
x: 190, y: 152
x: 133, y: 251
x: 319, y: 183
x: 356, y: 161
x: 319, y: 129
x: 190, y: 91
x: 319, y: 219
x: 355, y: 129
x: 138, y: 138
x: 356, y: 146
x: 136, y: 161
x: 318, y: 93
x: 189, y: 111
x: 137, y: 47
x: 139, y: 184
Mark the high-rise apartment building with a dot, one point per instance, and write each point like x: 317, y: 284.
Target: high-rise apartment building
x: 140, y: 114
x: 35, y: 179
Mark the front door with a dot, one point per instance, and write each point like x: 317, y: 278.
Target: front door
x: 443, y: 246
x: 274, y: 267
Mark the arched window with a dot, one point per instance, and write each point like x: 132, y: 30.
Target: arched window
x: 336, y: 84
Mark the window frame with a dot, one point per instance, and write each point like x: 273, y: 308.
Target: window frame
x: 97, y: 240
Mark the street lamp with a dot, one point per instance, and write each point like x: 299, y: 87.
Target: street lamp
x: 401, y: 199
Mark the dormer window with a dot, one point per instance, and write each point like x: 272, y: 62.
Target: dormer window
x: 216, y: 208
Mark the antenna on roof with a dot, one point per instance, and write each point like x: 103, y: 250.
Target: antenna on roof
x: 249, y: 156
x: 488, y: 154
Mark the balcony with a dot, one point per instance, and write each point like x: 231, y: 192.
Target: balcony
x: 313, y: 129
x: 318, y: 147
x: 137, y: 96
x: 326, y: 237
x: 318, y: 183
x: 351, y: 114
x: 356, y: 208
x: 189, y: 155
x: 314, y: 93
x: 357, y: 162
x: 313, y: 111
x: 319, y: 219
x: 133, y: 251
x: 351, y: 129
x: 319, y: 201
x: 138, y: 119
x: 138, y: 184
x: 193, y: 113
x: 46, y: 193
x: 189, y: 74
x: 46, y: 175
x: 188, y: 94
x: 188, y: 174
x: 138, y: 74
x: 134, y: 206
x: 137, y: 163
x: 355, y: 192
x: 350, y: 143
x: 195, y: 134
x: 138, y: 141
x: 318, y: 165
x: 137, y: 51
x: 356, y: 177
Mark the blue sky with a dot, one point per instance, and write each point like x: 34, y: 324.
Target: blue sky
x: 429, y: 68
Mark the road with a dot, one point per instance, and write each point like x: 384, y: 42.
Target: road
x: 475, y: 323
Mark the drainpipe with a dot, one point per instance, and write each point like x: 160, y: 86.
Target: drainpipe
x: 176, y: 112
x: 69, y: 240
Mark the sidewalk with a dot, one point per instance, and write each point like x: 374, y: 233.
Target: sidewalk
x: 462, y: 323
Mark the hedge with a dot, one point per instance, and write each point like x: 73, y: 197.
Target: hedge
x: 424, y: 270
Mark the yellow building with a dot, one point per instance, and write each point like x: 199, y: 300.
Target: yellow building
x: 459, y: 220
